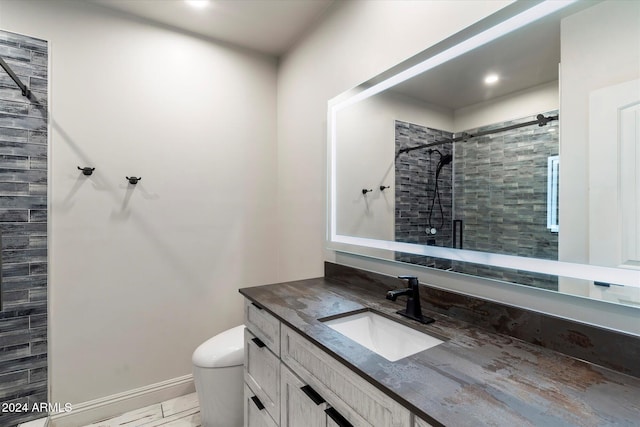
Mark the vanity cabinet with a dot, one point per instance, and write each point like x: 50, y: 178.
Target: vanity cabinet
x: 255, y: 414
x: 290, y: 382
x: 261, y: 365
x: 263, y: 325
x: 301, y: 405
x: 262, y: 373
x: 304, y: 406
x: 353, y: 397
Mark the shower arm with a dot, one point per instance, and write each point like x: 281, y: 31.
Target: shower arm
x: 541, y: 120
x: 25, y: 90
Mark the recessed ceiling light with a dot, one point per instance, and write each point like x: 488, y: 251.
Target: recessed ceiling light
x: 198, y: 4
x: 491, y: 79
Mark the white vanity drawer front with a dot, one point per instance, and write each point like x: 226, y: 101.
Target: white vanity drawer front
x: 263, y: 325
x: 297, y: 407
x: 255, y: 414
x: 262, y: 373
x: 329, y: 376
x: 308, y: 408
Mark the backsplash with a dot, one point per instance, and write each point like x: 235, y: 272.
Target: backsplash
x: 23, y: 221
x: 613, y: 350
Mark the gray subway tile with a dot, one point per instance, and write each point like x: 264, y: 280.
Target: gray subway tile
x: 36, y: 268
x: 18, y: 175
x: 13, y: 352
x: 8, y: 134
x: 38, y: 215
x: 16, y: 148
x: 23, y: 196
x: 37, y: 294
x: 38, y: 374
x: 14, y: 324
x: 25, y: 282
x: 13, y: 215
x: 22, y: 122
x: 37, y: 321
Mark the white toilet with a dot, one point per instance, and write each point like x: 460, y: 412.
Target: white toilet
x: 217, y: 371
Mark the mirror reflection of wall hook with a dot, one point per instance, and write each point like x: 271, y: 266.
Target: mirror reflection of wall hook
x: 383, y: 187
x: 133, y: 180
x: 365, y: 191
x: 86, y: 170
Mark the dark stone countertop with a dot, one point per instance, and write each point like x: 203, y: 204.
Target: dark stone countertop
x: 474, y: 378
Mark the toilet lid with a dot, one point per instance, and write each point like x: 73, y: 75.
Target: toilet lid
x: 223, y: 350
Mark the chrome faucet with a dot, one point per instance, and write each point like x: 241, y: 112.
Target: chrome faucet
x: 413, y: 309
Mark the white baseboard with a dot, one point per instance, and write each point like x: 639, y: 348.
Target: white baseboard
x: 110, y: 406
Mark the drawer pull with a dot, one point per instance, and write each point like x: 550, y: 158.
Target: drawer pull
x: 337, y: 418
x: 256, y: 306
x: 258, y: 342
x: 312, y: 394
x: 257, y: 402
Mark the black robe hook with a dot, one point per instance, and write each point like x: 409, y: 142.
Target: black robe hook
x: 86, y: 170
x: 133, y: 180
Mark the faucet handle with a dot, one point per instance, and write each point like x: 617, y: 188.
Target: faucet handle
x: 413, y: 280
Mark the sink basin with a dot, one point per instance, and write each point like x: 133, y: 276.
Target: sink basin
x: 386, y: 337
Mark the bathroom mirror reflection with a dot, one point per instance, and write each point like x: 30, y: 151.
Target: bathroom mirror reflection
x: 520, y: 147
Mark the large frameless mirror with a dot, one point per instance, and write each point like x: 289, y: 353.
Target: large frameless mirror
x: 508, y: 151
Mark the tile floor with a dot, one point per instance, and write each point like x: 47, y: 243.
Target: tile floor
x: 183, y: 411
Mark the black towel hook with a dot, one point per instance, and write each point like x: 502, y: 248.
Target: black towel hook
x: 133, y: 180
x: 383, y: 187
x: 86, y: 170
x: 365, y: 191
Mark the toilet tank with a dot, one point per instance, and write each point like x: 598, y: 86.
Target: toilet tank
x: 218, y: 376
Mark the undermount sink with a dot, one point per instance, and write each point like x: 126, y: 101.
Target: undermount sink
x: 386, y: 337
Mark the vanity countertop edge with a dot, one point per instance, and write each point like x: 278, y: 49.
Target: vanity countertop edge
x: 476, y: 377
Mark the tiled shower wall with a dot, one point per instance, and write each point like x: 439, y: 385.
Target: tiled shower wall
x: 415, y: 190
x: 498, y: 190
x: 500, y: 187
x: 23, y: 222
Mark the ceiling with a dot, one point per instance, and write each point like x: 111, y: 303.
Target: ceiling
x: 268, y: 26
x: 526, y: 58
x: 523, y: 59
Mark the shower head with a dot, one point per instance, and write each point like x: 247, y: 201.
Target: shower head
x: 446, y: 159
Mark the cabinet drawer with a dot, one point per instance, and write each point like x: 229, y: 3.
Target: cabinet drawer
x: 302, y: 405
x: 263, y: 325
x: 341, y: 385
x: 299, y: 407
x: 255, y: 414
x: 262, y: 373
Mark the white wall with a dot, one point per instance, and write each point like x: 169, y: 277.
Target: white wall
x: 356, y: 41
x: 141, y: 275
x: 365, y: 157
x: 528, y: 102
x: 595, y: 55
x: 353, y: 44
